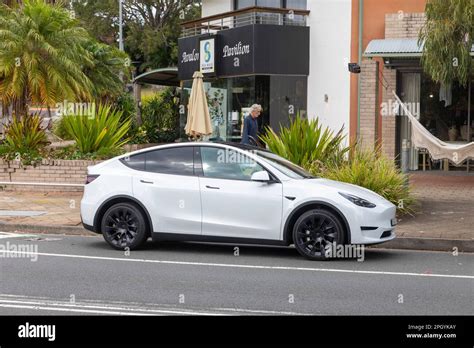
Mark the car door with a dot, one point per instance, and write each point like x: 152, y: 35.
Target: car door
x: 169, y: 190
x: 232, y: 204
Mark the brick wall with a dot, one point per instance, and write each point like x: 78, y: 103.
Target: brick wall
x: 49, y: 171
x: 368, y: 103
x: 403, y: 25
x: 389, y: 121
x: 397, y: 25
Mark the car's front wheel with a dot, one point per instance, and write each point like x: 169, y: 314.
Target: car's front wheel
x: 315, y: 232
x: 124, y: 226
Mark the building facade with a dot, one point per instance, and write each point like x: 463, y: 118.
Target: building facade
x: 293, y: 56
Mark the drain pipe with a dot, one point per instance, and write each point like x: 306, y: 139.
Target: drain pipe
x: 361, y: 26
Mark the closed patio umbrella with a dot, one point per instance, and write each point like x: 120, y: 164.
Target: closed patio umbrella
x: 199, y: 120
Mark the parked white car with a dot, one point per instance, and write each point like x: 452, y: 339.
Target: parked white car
x: 220, y: 192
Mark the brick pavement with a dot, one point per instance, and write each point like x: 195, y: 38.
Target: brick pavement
x: 445, y: 206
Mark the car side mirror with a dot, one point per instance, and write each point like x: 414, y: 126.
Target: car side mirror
x: 261, y: 176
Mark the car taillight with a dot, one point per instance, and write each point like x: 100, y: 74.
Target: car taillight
x: 91, y: 178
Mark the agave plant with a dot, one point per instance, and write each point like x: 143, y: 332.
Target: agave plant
x: 104, y: 131
x: 307, y: 143
x: 24, y: 134
x: 374, y: 171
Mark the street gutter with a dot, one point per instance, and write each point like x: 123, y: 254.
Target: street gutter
x: 405, y: 243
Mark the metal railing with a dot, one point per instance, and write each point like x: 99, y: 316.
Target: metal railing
x: 244, y: 17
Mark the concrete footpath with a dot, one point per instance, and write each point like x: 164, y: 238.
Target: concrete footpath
x: 444, y: 217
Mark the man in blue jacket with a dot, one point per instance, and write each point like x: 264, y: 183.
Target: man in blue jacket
x: 250, y: 132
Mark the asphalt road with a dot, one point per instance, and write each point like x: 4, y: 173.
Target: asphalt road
x: 83, y: 275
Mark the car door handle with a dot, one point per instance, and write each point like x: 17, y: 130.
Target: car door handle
x: 213, y: 187
x: 146, y: 182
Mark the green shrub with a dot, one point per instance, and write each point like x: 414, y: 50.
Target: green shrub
x: 160, y: 119
x: 106, y: 131
x: 59, y: 129
x: 25, y: 135
x: 374, y: 171
x: 125, y: 103
x: 306, y: 143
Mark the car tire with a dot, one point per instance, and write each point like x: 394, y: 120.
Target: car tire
x: 315, y: 231
x: 124, y: 227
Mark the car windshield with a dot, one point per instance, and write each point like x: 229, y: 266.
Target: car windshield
x: 286, y: 167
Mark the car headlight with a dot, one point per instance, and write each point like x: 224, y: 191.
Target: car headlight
x: 358, y: 201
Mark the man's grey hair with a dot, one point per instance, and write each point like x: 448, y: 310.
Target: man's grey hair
x: 256, y: 107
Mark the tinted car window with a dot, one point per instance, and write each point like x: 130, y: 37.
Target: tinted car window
x: 178, y: 161
x: 222, y: 163
x: 136, y: 162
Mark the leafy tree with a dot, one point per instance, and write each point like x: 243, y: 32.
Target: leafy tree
x: 448, y: 36
x: 151, y: 27
x: 100, y: 17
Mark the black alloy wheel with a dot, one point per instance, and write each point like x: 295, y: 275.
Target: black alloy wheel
x: 315, y: 232
x: 124, y: 226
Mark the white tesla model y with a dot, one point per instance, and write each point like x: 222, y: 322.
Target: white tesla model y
x: 221, y: 192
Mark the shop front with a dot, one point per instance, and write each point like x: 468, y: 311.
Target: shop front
x: 247, y: 58
x: 445, y: 110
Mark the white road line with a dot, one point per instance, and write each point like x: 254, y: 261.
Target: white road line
x: 206, y: 264
x: 68, y: 310
x: 8, y: 298
x: 6, y: 235
x: 102, y: 308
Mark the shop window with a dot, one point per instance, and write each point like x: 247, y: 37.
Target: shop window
x: 239, y: 4
x: 269, y: 3
x: 444, y: 110
x: 229, y: 99
x: 297, y: 4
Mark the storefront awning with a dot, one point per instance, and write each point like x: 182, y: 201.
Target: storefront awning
x: 397, y: 48
x: 161, y: 77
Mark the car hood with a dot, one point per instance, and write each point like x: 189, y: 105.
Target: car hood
x: 343, y: 187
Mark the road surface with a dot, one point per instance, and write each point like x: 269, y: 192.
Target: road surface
x: 69, y: 275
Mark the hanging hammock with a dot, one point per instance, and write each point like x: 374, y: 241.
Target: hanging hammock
x: 423, y: 139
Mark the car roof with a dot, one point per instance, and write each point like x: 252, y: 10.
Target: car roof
x: 204, y: 143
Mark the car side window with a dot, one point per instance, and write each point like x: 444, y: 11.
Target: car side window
x: 136, y: 162
x: 221, y: 163
x: 177, y: 161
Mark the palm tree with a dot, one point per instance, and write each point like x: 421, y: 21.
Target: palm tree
x: 42, y: 55
x: 104, y: 72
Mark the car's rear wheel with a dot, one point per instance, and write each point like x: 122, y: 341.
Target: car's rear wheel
x: 124, y: 226
x: 315, y: 232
